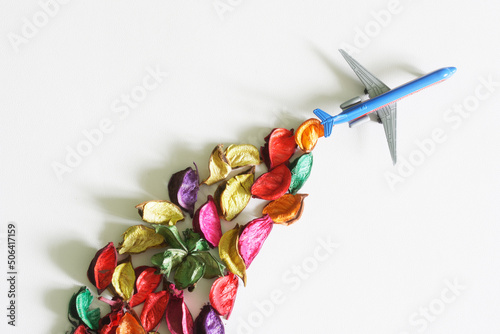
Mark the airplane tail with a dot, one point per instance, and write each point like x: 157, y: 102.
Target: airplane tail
x: 326, y: 120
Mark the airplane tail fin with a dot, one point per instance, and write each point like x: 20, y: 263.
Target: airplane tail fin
x: 326, y: 120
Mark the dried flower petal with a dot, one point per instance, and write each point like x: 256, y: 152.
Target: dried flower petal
x: 273, y: 184
x: 206, y: 222
x: 208, y: 322
x: 109, y: 323
x: 123, y: 280
x: 286, y: 209
x: 213, y: 268
x: 82, y: 329
x: 102, y: 266
x: 129, y: 325
x: 218, y: 165
x: 194, y: 242
x: 183, y: 189
x: 154, y: 309
x: 223, y: 294
x: 229, y: 254
x: 300, y: 169
x: 160, y: 212
x: 168, y: 260
x: 189, y: 272
x: 139, y: 238
x: 308, y: 133
x: 233, y: 195
x: 280, y: 146
x: 242, y: 155
x: 252, y: 238
x: 147, y: 281
x: 171, y: 236
x: 90, y: 317
x: 179, y: 319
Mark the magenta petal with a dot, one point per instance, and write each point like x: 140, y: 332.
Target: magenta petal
x: 179, y: 319
x: 208, y: 322
x: 253, y: 236
x: 206, y: 222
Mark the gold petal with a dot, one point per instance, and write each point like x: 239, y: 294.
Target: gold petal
x: 230, y: 255
x: 160, y: 212
x: 123, y: 280
x: 235, y: 194
x: 218, y: 165
x: 139, y: 238
x: 242, y: 155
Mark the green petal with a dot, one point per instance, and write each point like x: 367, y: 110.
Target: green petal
x: 171, y: 235
x: 213, y: 268
x: 194, y: 241
x: 82, y: 303
x: 190, y: 271
x: 300, y: 169
x: 168, y: 260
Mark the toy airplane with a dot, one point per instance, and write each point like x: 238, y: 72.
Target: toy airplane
x: 381, y: 100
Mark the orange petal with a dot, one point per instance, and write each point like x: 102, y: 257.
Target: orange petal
x: 285, y: 210
x: 308, y: 133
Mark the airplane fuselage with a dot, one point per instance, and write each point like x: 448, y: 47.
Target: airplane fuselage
x: 393, y: 95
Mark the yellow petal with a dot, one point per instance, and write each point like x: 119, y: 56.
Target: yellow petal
x: 230, y: 255
x: 139, y: 238
x: 160, y: 212
x: 242, y: 155
x: 123, y: 280
x: 235, y: 195
x: 218, y: 165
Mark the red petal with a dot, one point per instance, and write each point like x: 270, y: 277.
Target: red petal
x: 81, y: 330
x: 223, y: 294
x: 154, y: 310
x: 272, y: 185
x: 147, y: 282
x: 102, y: 267
x: 280, y: 146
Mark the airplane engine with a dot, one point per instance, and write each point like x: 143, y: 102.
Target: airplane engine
x: 359, y: 121
x: 350, y: 103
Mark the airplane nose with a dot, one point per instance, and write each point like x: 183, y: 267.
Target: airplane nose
x: 452, y: 70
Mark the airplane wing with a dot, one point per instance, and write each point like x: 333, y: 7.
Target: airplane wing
x: 373, y: 86
x: 387, y: 116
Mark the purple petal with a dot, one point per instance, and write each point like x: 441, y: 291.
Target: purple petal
x: 208, y: 322
x: 183, y: 189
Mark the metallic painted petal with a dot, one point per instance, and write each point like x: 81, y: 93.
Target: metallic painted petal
x: 300, y: 169
x: 242, y: 155
x: 139, y: 238
x: 286, y: 209
x: 160, y: 212
x: 252, y: 238
x: 218, y: 166
x: 229, y: 254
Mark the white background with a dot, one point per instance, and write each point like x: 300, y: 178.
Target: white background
x: 234, y: 75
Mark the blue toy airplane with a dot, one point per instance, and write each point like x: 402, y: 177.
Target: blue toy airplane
x: 381, y: 100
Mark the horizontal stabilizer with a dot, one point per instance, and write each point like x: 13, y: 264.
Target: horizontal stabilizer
x: 326, y: 120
